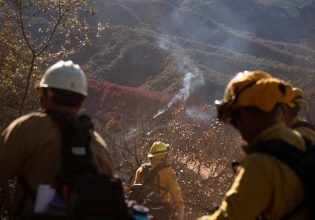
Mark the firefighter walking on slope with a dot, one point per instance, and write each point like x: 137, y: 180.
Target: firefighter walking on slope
x: 161, y: 176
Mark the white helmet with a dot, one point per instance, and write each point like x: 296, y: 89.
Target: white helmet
x: 65, y: 75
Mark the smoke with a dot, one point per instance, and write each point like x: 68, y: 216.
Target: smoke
x: 191, y: 74
x: 200, y: 27
x: 199, y: 115
x: 191, y: 81
x: 181, y: 24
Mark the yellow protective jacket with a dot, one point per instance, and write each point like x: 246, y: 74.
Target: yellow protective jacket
x: 30, y: 147
x: 167, y: 181
x: 305, y: 131
x: 264, y: 187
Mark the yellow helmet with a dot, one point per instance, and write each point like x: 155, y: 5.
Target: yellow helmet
x: 252, y: 88
x: 159, y: 148
x: 298, y: 99
x: 241, y: 81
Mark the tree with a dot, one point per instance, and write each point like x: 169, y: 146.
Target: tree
x: 35, y: 33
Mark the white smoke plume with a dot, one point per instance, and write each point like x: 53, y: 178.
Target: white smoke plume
x: 192, y: 76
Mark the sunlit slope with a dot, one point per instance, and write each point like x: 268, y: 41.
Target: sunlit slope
x: 152, y: 44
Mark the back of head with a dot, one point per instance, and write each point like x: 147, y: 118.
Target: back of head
x: 65, y: 83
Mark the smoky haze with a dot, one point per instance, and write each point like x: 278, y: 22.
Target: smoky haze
x: 211, y: 40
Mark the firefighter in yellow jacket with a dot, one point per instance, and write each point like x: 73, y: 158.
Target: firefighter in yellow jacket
x: 30, y: 147
x: 264, y: 187
x: 165, y: 179
x: 290, y: 115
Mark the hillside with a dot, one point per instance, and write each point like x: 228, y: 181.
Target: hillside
x: 153, y: 44
x: 108, y: 97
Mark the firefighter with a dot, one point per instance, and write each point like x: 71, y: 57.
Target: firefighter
x: 290, y: 115
x: 264, y: 187
x: 166, y: 181
x: 30, y: 147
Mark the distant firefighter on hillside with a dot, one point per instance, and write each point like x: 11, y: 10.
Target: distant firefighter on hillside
x: 155, y: 185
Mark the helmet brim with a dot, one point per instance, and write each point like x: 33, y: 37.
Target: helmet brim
x: 158, y: 154
x: 224, y: 110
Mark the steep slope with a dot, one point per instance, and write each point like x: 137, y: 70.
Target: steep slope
x: 143, y: 58
x: 280, y: 20
x: 153, y: 44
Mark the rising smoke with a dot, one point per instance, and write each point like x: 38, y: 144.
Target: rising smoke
x: 192, y: 76
x: 190, y: 27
